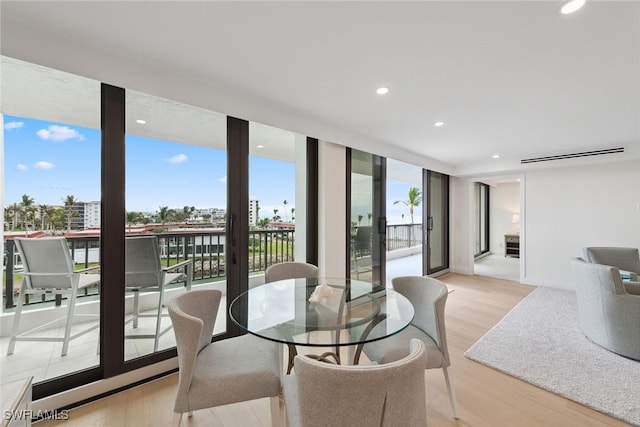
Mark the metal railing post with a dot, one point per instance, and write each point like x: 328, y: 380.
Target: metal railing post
x: 9, y: 245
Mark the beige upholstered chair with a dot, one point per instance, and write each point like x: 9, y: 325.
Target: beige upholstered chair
x: 324, y: 394
x: 48, y: 269
x: 223, y: 372
x: 145, y: 273
x: 428, y: 297
x: 609, y: 315
x: 290, y: 270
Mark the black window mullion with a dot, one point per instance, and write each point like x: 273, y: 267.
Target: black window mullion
x: 112, y: 220
x: 312, y: 201
x: 237, y: 229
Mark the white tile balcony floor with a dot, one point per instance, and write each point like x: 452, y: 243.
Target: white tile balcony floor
x: 43, y: 359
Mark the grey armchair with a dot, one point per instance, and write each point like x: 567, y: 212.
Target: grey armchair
x: 322, y: 394
x: 145, y: 273
x: 609, y: 315
x: 428, y: 297
x: 228, y: 371
x: 48, y: 269
x: 290, y: 270
x: 627, y: 260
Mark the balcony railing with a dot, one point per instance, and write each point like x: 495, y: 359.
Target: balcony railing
x: 206, y: 249
x: 403, y: 236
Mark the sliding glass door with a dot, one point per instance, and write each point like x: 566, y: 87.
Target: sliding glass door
x: 436, y: 231
x: 366, y: 182
x: 481, y: 215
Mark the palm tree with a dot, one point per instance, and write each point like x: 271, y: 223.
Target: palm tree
x: 275, y: 215
x: 14, y: 211
x: 414, y: 200
x: 43, y: 215
x: 132, y: 218
x: 285, y: 203
x: 293, y: 218
x: 69, y: 203
x: 163, y: 214
x: 28, y: 208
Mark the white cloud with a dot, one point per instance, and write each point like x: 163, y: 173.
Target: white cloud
x: 59, y: 133
x: 222, y: 180
x: 21, y: 167
x: 180, y: 158
x: 13, y: 125
x: 42, y: 165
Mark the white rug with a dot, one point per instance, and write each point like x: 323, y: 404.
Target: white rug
x: 540, y: 342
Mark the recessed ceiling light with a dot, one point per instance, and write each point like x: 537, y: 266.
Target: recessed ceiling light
x: 382, y: 90
x: 438, y: 124
x: 141, y: 122
x: 496, y: 156
x: 572, y: 6
x: 259, y: 146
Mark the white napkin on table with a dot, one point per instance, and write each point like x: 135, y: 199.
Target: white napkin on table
x: 320, y: 292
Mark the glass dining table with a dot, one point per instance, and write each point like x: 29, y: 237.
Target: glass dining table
x: 321, y: 312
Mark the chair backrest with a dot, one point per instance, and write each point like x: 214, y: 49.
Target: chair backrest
x: 624, y: 258
x: 428, y: 297
x: 193, y: 316
x: 142, y: 262
x: 391, y: 394
x: 290, y: 270
x: 363, y: 241
x: 49, y: 259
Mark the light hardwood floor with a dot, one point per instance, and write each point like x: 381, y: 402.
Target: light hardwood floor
x: 486, y: 398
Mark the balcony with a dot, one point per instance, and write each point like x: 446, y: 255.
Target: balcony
x: 43, y: 360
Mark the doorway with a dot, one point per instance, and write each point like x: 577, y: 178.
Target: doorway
x: 497, y: 228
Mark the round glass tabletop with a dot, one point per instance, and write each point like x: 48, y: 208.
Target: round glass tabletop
x: 321, y: 312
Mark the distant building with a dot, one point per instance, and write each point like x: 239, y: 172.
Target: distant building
x: 254, y: 209
x: 91, y: 215
x: 208, y: 215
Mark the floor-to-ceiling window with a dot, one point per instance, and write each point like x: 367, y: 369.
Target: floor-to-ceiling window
x: 404, y: 219
x: 277, y: 177
x: 176, y: 196
x: 51, y: 155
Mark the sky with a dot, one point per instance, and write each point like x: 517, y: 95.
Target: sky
x: 49, y: 161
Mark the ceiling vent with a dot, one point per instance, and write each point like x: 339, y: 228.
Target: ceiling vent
x: 599, y: 152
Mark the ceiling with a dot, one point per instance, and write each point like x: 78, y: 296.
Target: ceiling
x: 514, y: 78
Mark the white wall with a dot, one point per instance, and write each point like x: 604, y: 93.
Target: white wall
x: 504, y: 201
x: 572, y: 207
x: 332, y: 215
x: 460, y: 221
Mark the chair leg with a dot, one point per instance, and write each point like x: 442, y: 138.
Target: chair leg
x: 452, y: 397
x: 16, y: 318
x: 71, y: 302
x: 277, y: 411
x: 136, y: 307
x: 176, y: 420
x: 189, y: 276
x: 156, y: 341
